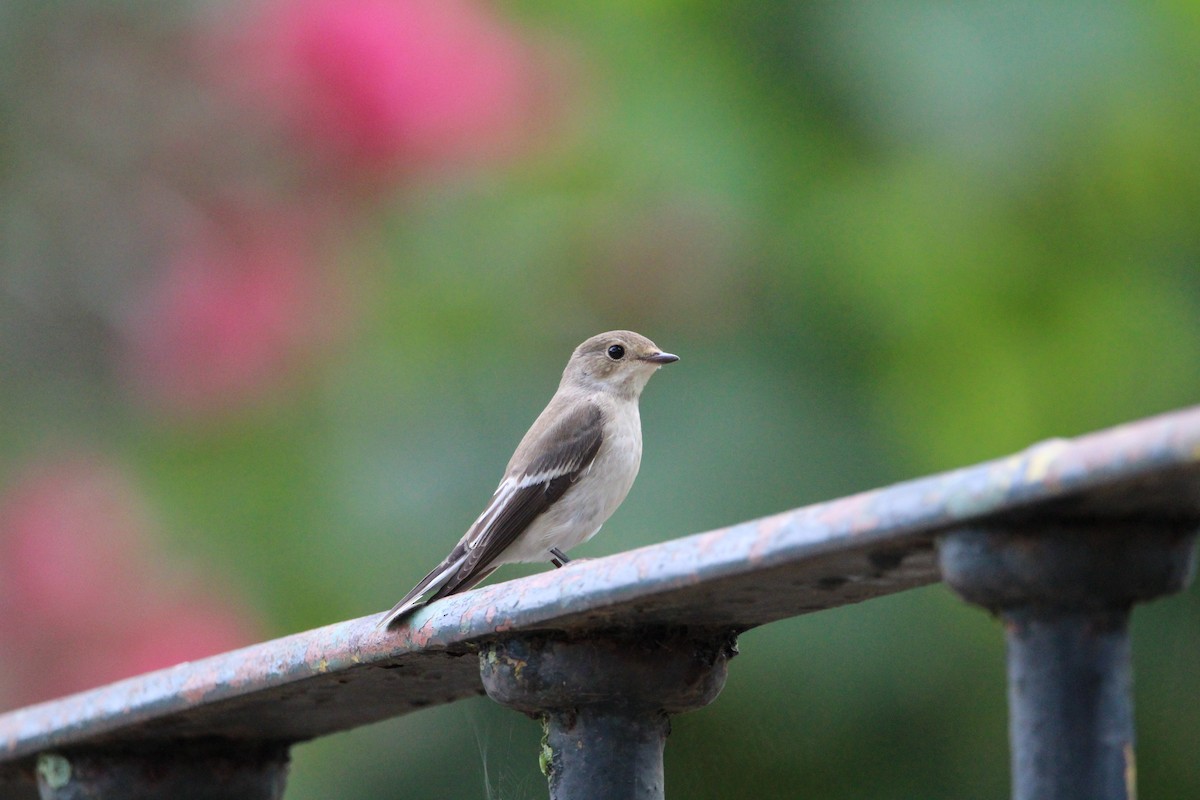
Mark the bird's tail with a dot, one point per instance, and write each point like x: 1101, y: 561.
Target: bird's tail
x: 437, y: 579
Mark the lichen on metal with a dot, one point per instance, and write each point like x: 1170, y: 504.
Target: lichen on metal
x: 829, y: 554
x: 54, y: 770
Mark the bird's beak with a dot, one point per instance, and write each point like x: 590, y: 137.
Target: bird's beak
x: 660, y: 358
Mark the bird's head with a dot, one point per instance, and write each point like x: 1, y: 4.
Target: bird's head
x: 616, y: 361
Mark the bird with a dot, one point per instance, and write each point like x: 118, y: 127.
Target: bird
x: 571, y: 471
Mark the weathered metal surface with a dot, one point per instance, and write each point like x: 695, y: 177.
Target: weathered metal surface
x: 1070, y: 698
x: 1065, y: 592
x: 199, y: 771
x: 1085, y: 565
x: 826, y: 555
x: 605, y: 701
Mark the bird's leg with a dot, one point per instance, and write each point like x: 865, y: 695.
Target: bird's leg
x: 558, y: 557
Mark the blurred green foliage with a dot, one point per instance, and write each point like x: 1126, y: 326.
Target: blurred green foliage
x: 884, y: 239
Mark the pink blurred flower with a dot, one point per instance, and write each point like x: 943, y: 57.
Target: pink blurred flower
x: 88, y: 597
x: 183, y: 629
x: 71, y: 534
x: 47, y: 663
x: 377, y: 84
x: 228, y: 318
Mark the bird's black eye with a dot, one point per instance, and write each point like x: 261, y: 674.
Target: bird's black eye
x: 616, y: 352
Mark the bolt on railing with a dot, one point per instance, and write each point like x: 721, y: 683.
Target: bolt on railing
x: 1060, y: 541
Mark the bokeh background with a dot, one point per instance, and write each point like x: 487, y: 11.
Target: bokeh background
x: 282, y: 284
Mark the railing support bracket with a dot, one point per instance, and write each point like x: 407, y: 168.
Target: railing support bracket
x: 606, y: 701
x: 1064, y: 591
x: 182, y: 771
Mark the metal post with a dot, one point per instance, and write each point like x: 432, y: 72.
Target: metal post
x: 185, y: 771
x: 1064, y: 593
x: 605, y: 702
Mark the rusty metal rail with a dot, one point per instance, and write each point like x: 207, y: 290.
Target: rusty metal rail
x: 1061, y: 540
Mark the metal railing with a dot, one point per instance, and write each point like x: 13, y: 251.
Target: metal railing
x: 1060, y: 540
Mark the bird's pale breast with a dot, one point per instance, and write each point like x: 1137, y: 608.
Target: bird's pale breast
x: 580, y: 512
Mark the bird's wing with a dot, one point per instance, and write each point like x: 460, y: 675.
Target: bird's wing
x: 566, y: 450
